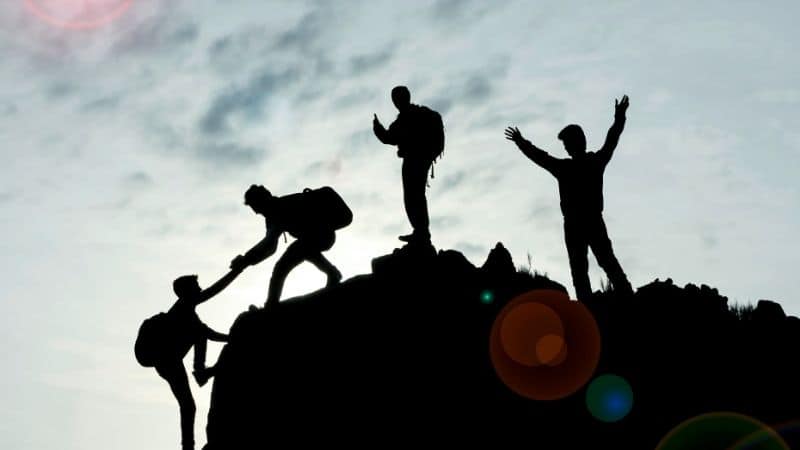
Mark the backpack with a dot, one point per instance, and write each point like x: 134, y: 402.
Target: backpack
x: 313, y: 211
x: 152, y: 340
x: 434, y: 132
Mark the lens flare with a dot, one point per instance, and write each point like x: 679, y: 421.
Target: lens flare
x: 487, y: 297
x: 524, y: 329
x: 551, y: 349
x: 609, y: 398
x: 78, y: 14
x: 544, y: 346
x: 722, y: 431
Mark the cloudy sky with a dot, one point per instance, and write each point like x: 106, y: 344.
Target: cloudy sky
x: 126, y: 149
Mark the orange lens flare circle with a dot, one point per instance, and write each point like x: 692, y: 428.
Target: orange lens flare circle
x: 544, y: 346
x: 94, y: 14
x: 528, y: 333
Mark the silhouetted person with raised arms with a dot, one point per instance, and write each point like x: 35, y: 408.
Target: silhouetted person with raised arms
x: 311, y: 216
x: 165, y: 339
x: 580, y: 184
x: 418, y: 133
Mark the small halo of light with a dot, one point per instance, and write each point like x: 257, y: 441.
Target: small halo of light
x: 104, y: 12
x: 543, y: 346
x: 609, y: 398
x: 551, y: 349
x: 722, y: 431
x: 524, y: 328
x: 487, y: 297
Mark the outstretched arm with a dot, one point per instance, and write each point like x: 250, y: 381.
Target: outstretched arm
x: 535, y: 154
x: 219, y: 286
x: 612, y: 138
x: 382, y: 133
x: 212, y: 335
x: 260, y: 251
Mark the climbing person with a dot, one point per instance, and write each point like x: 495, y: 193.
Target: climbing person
x: 311, y: 217
x: 165, y: 339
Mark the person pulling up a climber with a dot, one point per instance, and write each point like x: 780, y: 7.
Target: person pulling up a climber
x: 418, y: 133
x: 311, y: 216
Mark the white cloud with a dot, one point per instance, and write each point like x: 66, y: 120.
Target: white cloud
x: 112, y: 185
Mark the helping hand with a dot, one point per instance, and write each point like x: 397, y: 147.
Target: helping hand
x: 238, y: 264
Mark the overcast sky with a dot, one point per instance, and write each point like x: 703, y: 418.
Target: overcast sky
x: 126, y: 150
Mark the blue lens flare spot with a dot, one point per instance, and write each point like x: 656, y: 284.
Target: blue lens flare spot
x: 487, y: 297
x: 609, y: 398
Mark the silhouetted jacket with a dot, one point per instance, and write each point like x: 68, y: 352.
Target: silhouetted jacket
x: 416, y: 132
x: 186, y: 326
x: 580, y: 179
x: 267, y: 246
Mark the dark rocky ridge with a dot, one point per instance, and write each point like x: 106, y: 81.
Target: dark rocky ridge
x: 401, y: 356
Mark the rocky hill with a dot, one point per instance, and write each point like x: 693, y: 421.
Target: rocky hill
x: 403, y: 355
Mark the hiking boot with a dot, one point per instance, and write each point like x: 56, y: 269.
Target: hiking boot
x: 625, y: 293
x: 269, y: 305
x: 406, y: 237
x: 202, y: 376
x: 415, y: 237
x: 334, y: 279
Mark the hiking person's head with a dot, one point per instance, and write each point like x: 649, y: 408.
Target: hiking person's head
x: 258, y: 198
x: 186, y: 286
x: 401, y: 97
x: 574, y: 140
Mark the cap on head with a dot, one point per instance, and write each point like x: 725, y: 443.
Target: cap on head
x: 186, y: 285
x: 256, y: 196
x: 401, y: 97
x: 574, y: 140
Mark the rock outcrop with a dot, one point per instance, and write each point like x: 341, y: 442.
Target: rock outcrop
x: 400, y: 356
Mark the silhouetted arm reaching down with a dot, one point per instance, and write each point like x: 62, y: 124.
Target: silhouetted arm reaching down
x: 219, y: 286
x: 535, y: 154
x: 382, y: 133
x: 612, y: 138
x: 260, y: 251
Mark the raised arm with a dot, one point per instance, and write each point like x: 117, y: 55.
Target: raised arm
x: 382, y: 133
x: 535, y: 154
x: 612, y: 138
x: 261, y: 251
x: 219, y: 286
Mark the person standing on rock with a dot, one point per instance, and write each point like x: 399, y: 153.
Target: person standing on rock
x: 580, y: 184
x: 418, y: 133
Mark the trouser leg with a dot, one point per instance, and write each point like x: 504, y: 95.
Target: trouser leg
x: 577, y: 251
x: 603, y: 251
x: 319, y: 260
x: 322, y: 263
x: 293, y: 256
x: 200, y: 347
x: 415, y: 176
x: 175, y: 375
